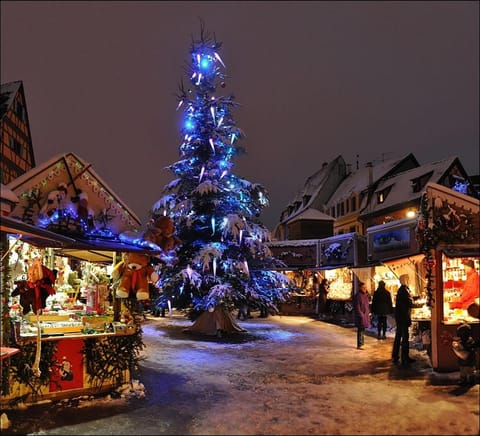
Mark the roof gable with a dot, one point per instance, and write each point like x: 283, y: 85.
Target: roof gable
x: 401, y: 184
x: 35, y: 186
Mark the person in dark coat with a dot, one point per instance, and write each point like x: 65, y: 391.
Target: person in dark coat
x: 322, y: 297
x: 361, y: 308
x: 382, y: 307
x: 403, y: 309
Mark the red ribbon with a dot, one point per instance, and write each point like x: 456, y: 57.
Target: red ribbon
x: 135, y: 277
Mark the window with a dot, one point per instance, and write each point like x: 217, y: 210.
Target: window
x: 332, y: 211
x: 382, y: 195
x: 354, y: 204
x: 419, y: 182
x: 16, y: 146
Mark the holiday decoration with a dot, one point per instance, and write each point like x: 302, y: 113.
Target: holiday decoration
x: 35, y: 290
x: 222, y: 257
x: 161, y: 232
x: 132, y: 275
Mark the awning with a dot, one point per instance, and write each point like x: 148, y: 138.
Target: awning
x: 34, y: 235
x: 461, y: 251
x: 102, y: 251
x: 89, y: 250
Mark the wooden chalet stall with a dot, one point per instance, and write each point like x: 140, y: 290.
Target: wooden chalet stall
x: 311, y: 260
x: 74, y: 337
x: 449, y: 236
x: 338, y: 255
x: 301, y: 257
x: 393, y: 251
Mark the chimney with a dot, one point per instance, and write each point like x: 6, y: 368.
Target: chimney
x: 370, y: 173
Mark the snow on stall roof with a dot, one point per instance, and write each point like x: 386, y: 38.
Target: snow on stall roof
x: 293, y: 243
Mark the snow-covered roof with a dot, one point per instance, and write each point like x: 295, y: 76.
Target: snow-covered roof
x: 401, y: 184
x: 311, y: 214
x: 312, y: 183
x: 313, y: 187
x: 358, y: 180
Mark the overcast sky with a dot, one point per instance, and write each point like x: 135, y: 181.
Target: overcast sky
x: 314, y: 79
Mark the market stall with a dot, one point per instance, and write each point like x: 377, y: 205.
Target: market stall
x: 301, y: 257
x: 60, y: 247
x: 393, y: 251
x: 448, y: 234
x: 338, y: 255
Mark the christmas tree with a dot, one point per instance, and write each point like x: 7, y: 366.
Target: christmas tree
x: 222, y: 259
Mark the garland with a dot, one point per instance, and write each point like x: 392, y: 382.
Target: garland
x: 21, y: 366
x: 5, y: 311
x: 108, y: 358
x: 427, y: 239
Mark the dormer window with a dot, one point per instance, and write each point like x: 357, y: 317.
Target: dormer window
x: 419, y: 182
x: 382, y: 195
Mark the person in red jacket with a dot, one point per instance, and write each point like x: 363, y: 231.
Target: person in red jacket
x: 471, y: 287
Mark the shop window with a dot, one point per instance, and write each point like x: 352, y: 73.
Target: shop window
x: 460, y: 276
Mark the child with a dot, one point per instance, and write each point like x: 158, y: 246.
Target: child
x: 464, y: 349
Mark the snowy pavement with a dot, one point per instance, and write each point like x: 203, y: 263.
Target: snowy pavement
x: 285, y: 375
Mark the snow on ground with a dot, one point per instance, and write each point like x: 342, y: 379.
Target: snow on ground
x: 286, y: 375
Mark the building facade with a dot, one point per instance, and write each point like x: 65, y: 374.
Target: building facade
x: 16, y: 140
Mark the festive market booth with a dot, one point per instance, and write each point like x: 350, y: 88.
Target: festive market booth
x: 301, y: 258
x: 448, y: 233
x: 61, y: 250
x: 338, y: 255
x: 393, y: 251
x: 311, y: 260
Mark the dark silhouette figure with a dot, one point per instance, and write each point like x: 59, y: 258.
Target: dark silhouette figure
x: 403, y: 309
x: 382, y: 307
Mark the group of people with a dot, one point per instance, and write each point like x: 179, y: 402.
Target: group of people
x: 382, y: 307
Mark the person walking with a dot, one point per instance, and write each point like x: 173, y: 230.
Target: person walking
x: 403, y: 309
x: 382, y: 307
x: 361, y: 308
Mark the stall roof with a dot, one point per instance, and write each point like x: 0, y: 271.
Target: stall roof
x: 102, y: 251
x: 34, y: 235
x: 89, y: 250
x: 36, y: 186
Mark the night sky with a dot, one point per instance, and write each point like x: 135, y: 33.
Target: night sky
x: 314, y: 80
